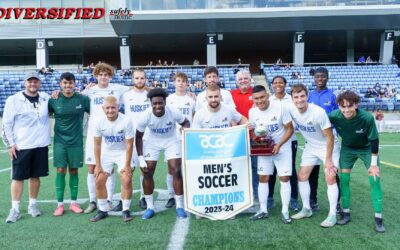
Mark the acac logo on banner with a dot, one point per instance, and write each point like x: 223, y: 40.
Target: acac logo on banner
x: 217, y: 172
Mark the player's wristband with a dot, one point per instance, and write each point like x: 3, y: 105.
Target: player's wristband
x: 374, y: 160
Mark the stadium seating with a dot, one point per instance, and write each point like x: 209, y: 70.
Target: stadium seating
x: 359, y: 77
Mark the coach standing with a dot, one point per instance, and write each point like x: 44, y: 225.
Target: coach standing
x: 26, y: 134
x: 326, y: 99
x: 242, y: 97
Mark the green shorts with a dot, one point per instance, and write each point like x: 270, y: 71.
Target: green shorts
x: 348, y: 157
x: 67, y: 156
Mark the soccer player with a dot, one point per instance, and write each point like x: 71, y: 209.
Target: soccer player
x: 321, y: 145
x: 216, y: 114
x: 103, y: 72
x: 360, y: 140
x: 284, y: 100
x: 136, y: 102
x: 242, y: 97
x: 211, y: 78
x: 68, y: 110
x: 26, y: 135
x: 117, y: 132
x: 185, y: 104
x: 161, y: 123
x: 326, y: 99
x: 278, y: 125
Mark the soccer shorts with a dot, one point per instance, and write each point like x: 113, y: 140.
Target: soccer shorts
x: 111, y: 157
x: 152, y: 148
x: 30, y: 163
x: 67, y: 156
x: 313, y: 156
x: 349, y: 156
x: 282, y: 162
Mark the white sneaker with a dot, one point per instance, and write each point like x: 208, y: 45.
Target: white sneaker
x: 13, y: 216
x: 34, y: 211
x: 304, y: 213
x: 330, y: 221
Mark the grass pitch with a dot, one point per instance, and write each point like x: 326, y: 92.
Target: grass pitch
x: 76, y: 232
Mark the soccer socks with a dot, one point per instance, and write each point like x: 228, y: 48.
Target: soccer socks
x: 91, y: 187
x: 73, y: 186
x: 15, y: 205
x: 286, y: 190
x: 333, y: 193
x: 263, y: 190
x: 110, y: 184
x: 32, y: 202
x: 102, y: 203
x: 170, y: 186
x: 149, y: 201
x: 179, y: 201
x: 60, y: 186
x: 376, y: 193
x: 345, y: 190
x: 141, y: 187
x: 304, y: 189
x: 126, y: 205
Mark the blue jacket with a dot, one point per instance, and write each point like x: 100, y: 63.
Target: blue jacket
x: 326, y: 99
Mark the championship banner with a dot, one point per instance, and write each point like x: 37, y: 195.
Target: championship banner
x: 216, y: 172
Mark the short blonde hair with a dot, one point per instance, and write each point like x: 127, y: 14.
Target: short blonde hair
x: 110, y: 99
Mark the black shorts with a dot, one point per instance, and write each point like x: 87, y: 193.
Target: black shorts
x: 31, y: 163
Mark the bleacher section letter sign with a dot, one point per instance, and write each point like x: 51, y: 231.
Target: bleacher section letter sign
x: 217, y: 172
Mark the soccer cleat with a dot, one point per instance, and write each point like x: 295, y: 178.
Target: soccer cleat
x: 118, y: 207
x: 109, y: 206
x: 314, y: 205
x: 294, y: 205
x: 13, y: 216
x: 379, y: 227
x: 143, y: 203
x: 285, y: 218
x: 34, y: 211
x: 180, y: 213
x: 148, y: 214
x: 330, y: 221
x: 59, y: 211
x: 259, y: 215
x: 170, y: 203
x: 126, y: 216
x: 99, y: 216
x: 304, y: 213
x: 75, y: 208
x: 91, y: 207
x: 339, y: 209
x: 270, y: 203
x: 345, y: 218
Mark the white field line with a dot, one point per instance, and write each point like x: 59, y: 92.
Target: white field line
x: 179, y: 233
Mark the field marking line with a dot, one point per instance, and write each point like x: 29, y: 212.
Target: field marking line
x: 4, y: 170
x: 179, y: 233
x: 390, y: 164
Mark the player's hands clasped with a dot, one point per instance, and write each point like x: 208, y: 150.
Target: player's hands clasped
x: 142, y: 162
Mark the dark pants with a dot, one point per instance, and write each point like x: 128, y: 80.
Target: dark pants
x: 254, y: 175
x: 293, y: 179
x: 313, y: 180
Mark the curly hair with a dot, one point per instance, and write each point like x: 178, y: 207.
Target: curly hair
x: 103, y: 67
x: 349, y: 96
x: 157, y: 92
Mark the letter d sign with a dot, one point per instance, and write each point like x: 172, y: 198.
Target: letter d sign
x: 40, y: 44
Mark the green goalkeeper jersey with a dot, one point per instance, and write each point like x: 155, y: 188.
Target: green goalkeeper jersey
x: 357, y: 132
x: 68, y: 114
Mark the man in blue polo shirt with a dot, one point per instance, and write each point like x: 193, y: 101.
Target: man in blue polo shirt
x: 326, y: 99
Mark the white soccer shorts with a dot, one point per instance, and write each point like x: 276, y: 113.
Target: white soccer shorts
x: 313, y: 156
x: 153, y: 147
x: 282, y: 162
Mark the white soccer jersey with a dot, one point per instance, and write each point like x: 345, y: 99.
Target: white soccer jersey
x: 97, y: 95
x: 286, y: 103
x: 311, y: 123
x: 185, y: 104
x: 160, y: 127
x: 227, y: 99
x: 274, y: 118
x: 223, y: 118
x: 135, y: 103
x: 114, y: 133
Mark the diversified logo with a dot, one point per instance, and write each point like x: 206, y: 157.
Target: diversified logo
x: 52, y: 13
x: 121, y: 14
